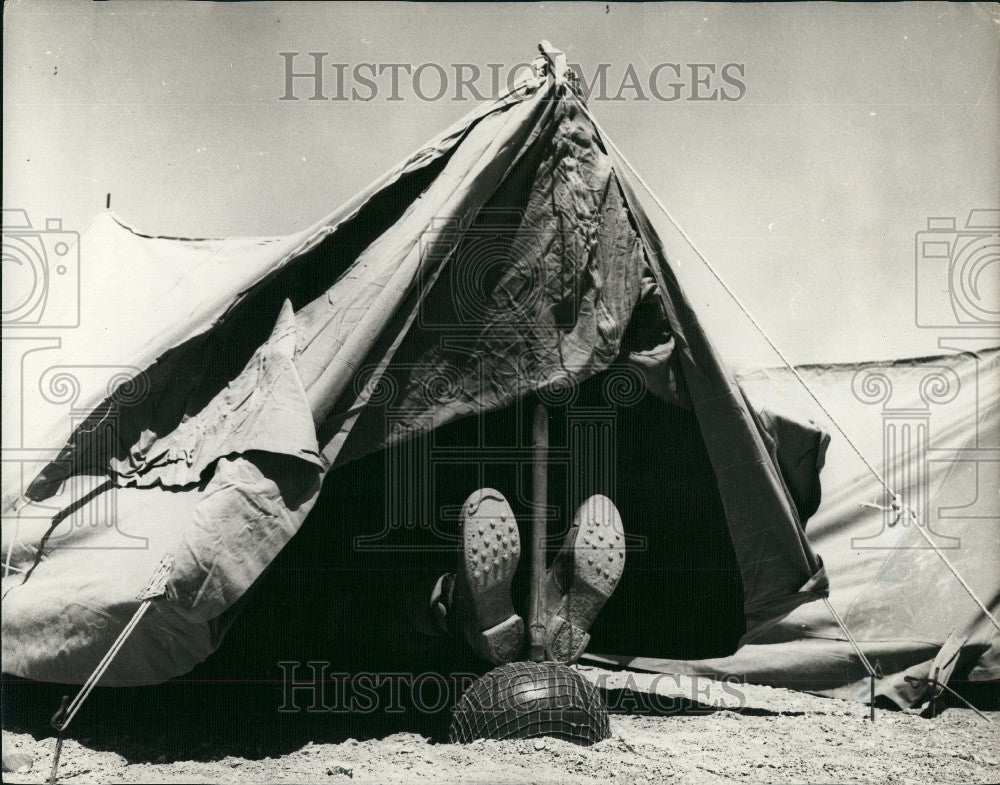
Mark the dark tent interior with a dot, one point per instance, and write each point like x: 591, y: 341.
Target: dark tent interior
x: 364, y: 555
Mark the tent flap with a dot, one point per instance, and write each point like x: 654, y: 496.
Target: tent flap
x: 777, y: 564
x: 264, y: 409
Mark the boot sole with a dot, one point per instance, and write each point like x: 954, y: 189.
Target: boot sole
x: 491, y: 547
x: 598, y: 562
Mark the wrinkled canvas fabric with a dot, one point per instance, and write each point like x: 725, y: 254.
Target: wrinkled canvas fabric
x: 286, y: 371
x: 537, y: 293
x: 264, y: 409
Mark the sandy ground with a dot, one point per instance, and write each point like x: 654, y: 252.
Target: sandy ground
x: 750, y: 735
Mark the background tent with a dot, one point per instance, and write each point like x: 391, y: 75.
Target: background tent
x: 932, y: 426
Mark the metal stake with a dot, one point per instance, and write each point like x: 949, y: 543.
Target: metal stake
x: 871, y: 693
x: 59, y: 724
x: 913, y: 681
x: 539, y: 499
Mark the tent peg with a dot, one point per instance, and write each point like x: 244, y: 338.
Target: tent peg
x: 59, y: 723
x: 871, y: 695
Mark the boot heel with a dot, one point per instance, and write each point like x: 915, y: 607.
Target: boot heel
x: 502, y: 643
x: 564, y: 641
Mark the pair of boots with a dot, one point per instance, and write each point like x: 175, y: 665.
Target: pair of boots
x: 474, y: 604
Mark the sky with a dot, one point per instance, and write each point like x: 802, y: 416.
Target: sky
x: 857, y: 124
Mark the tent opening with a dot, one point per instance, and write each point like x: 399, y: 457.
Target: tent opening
x: 386, y: 525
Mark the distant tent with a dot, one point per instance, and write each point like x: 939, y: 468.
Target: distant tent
x: 934, y: 423
x: 508, y: 256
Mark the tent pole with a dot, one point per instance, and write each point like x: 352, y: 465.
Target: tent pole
x: 539, y: 493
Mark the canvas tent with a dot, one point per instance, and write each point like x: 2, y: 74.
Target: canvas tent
x: 509, y: 256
